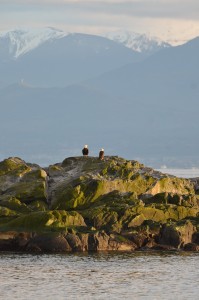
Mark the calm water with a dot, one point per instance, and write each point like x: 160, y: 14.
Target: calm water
x: 100, y: 276
x: 136, y: 275
x: 184, y: 173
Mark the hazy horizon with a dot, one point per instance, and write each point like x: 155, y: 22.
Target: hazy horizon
x: 173, y: 21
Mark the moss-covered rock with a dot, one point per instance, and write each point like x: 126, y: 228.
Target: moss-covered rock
x: 108, y: 211
x: 188, y: 200
x: 178, y: 234
x: 180, y: 212
x: 136, y: 215
x: 45, y: 221
x: 27, y: 192
x: 23, y: 181
x: 13, y: 166
x: 38, y: 205
x: 14, y: 204
x: 104, y: 218
x: 172, y: 185
x: 84, y: 191
x: 93, y: 204
x: 6, y: 212
x: 136, y: 221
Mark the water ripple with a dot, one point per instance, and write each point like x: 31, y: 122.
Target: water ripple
x: 100, y: 276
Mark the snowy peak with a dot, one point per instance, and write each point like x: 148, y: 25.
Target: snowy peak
x: 141, y: 43
x: 16, y: 43
x: 19, y: 42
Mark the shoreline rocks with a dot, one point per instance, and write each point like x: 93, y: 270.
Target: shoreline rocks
x: 85, y: 204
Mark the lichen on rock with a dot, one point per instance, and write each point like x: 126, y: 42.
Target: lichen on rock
x: 23, y: 181
x: 84, y: 204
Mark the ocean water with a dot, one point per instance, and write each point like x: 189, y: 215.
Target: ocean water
x: 138, y: 275
x: 100, y: 276
x: 184, y: 173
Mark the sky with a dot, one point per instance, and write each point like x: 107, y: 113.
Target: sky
x: 175, y: 21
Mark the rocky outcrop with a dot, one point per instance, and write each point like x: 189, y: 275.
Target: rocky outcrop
x: 85, y: 204
x: 177, y: 235
x: 24, y: 182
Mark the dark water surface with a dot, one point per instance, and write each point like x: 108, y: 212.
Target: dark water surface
x: 137, y: 275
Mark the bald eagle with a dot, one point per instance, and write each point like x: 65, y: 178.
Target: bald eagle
x: 85, y: 150
x: 101, y: 154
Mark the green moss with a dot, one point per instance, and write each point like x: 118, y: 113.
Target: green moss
x: 112, y: 195
x: 104, y: 171
x: 107, y: 212
x: 190, y: 201
x: 28, y: 191
x: 15, y: 204
x: 6, y: 212
x: 55, y: 170
x: 182, y: 212
x: 82, y: 193
x: 36, y: 175
x: 140, y: 184
x: 151, y: 227
x: 13, y: 166
x: 153, y: 214
x: 135, y: 216
x: 38, y: 205
x: 63, y: 219
x: 178, y: 213
x: 42, y: 221
x: 116, y: 199
x: 193, y: 212
x: 102, y: 218
x: 136, y: 221
x: 171, y: 213
x: 68, y: 197
x: 92, y: 165
x: 120, y: 168
x: 172, y: 185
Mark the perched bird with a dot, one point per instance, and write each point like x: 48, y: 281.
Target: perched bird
x: 85, y: 150
x: 101, y: 154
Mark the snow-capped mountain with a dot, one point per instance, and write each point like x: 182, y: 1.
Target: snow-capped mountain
x: 61, y: 61
x: 16, y: 43
x: 138, y: 42
x: 19, y: 42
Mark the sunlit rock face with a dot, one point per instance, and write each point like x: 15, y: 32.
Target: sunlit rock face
x: 85, y: 204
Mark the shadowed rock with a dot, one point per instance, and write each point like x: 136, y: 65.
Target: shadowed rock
x: 48, y: 243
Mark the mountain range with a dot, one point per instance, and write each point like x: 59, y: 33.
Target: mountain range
x: 51, y: 57
x: 71, y: 89
x: 141, y: 43
x: 16, y: 43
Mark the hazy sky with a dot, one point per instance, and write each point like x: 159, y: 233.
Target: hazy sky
x: 167, y: 19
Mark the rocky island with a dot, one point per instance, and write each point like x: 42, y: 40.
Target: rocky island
x: 85, y: 204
